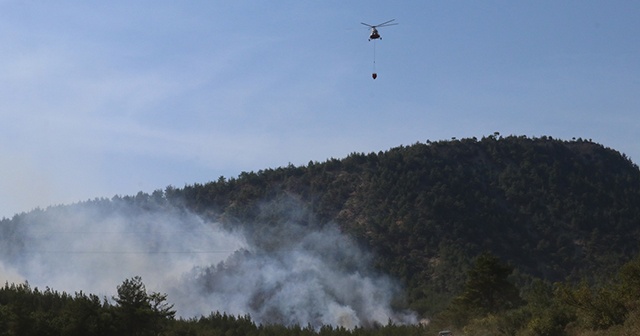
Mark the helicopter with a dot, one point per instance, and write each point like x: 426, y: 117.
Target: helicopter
x: 374, y: 35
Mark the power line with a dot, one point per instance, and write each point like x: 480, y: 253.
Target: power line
x: 130, y: 252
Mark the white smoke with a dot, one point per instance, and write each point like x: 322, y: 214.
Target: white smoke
x: 10, y: 275
x: 281, y: 269
x: 94, y: 246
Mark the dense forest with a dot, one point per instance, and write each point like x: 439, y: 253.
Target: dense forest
x: 499, y: 235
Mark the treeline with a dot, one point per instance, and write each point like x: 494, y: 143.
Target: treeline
x: 26, y: 311
x: 489, y: 304
x: 30, y: 311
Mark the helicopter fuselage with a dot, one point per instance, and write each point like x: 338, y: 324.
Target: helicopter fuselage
x: 374, y: 34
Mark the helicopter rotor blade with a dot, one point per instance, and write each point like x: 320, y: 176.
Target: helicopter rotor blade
x: 368, y: 25
x: 385, y: 23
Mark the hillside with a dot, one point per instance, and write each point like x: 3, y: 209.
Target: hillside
x: 551, y: 209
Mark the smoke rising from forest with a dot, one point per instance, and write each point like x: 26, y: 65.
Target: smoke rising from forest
x: 280, y: 269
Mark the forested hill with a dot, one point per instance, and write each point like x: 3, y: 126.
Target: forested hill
x: 553, y: 209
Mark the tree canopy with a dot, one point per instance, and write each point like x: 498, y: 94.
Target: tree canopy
x: 536, y: 235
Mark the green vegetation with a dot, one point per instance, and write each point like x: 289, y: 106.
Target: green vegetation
x: 501, y: 236
x: 27, y: 311
x: 489, y: 305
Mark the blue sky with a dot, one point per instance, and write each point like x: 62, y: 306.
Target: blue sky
x: 99, y: 98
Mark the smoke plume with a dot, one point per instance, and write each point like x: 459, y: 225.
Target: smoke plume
x: 280, y: 269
